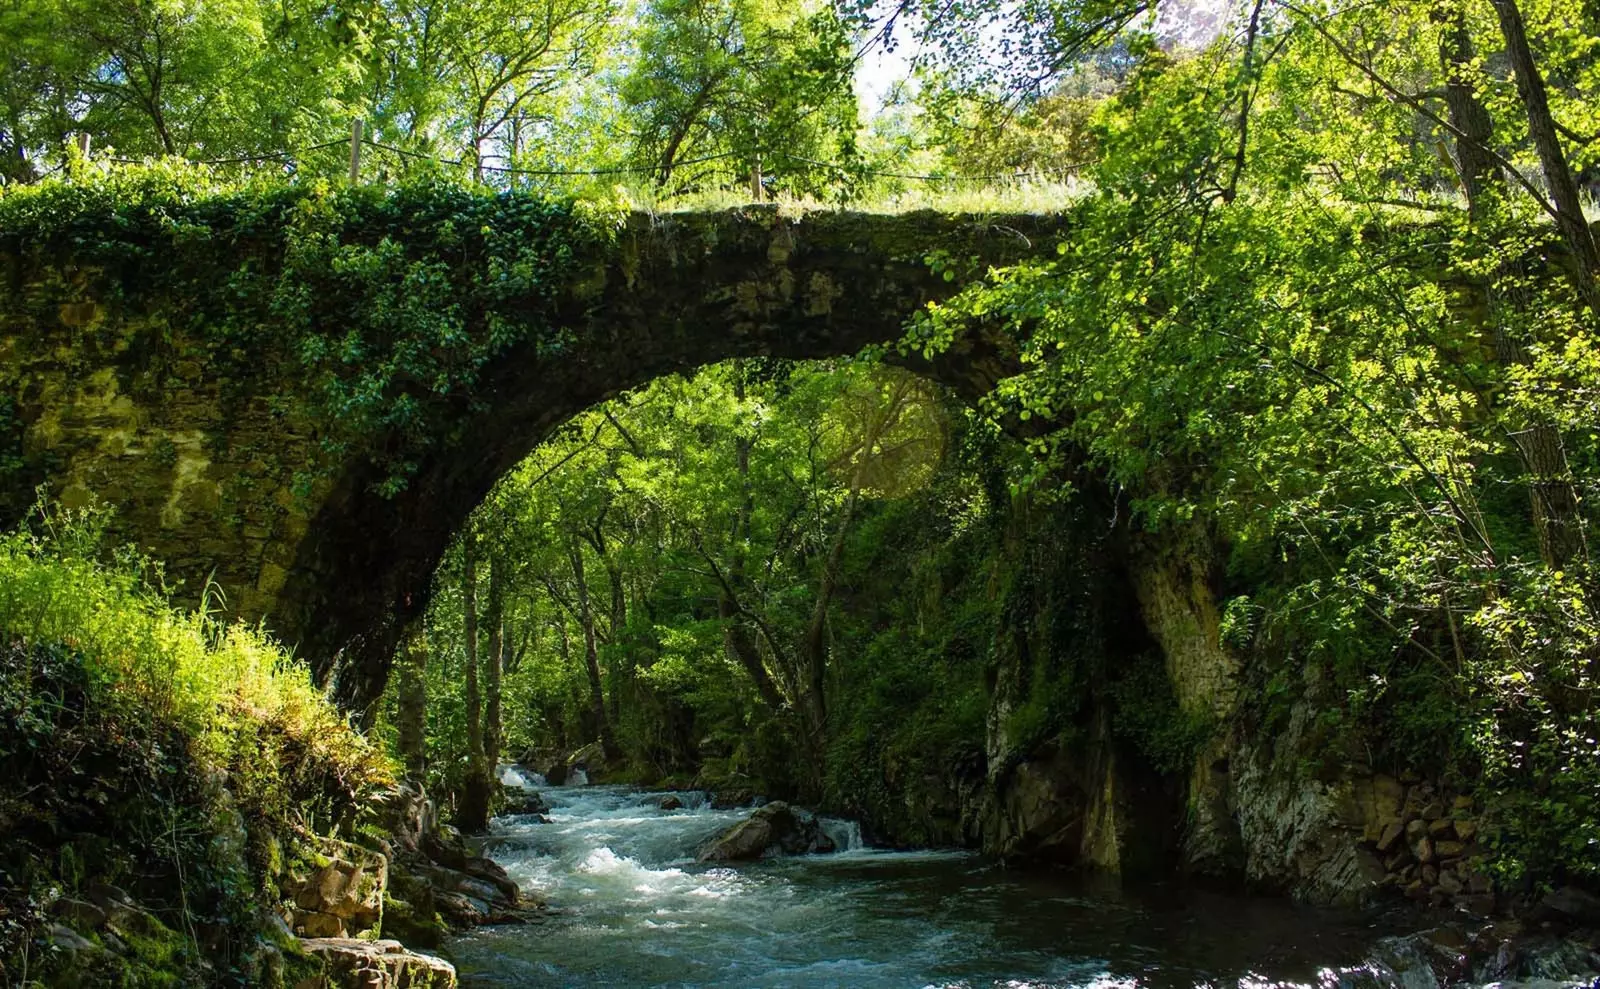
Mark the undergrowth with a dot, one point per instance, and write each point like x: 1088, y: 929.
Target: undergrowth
x: 172, y: 755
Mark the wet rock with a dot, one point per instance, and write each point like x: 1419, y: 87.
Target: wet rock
x: 1476, y: 904
x: 446, y: 847
x: 1390, y: 837
x: 524, y: 802
x: 1423, y: 850
x: 489, y: 871
x: 104, y: 895
x: 130, y: 920
x: 66, y: 939
x: 1416, y: 830
x: 1466, y: 830
x: 773, y: 827
x: 1572, y: 905
x: 1442, y: 828
x: 78, y: 913
x: 591, y: 760
x: 670, y: 802
x: 732, y: 797
x: 1447, y: 850
x: 480, y: 893
x: 353, y: 964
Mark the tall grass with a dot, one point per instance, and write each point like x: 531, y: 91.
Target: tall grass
x: 217, y: 680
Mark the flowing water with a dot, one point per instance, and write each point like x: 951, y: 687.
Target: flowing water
x: 634, y: 909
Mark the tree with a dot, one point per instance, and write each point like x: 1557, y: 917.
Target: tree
x: 742, y: 90
x: 469, y: 78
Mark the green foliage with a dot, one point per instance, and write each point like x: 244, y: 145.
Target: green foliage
x: 160, y: 750
x: 1249, y: 338
x: 373, y: 311
x: 1146, y: 711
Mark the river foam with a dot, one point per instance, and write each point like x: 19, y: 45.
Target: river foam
x: 634, y: 908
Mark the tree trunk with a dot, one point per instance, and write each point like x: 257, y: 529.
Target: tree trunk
x: 1552, y: 496
x: 816, y: 641
x: 1557, y: 172
x: 1475, y: 164
x: 494, y: 668
x: 412, y: 718
x: 736, y: 640
x: 619, y: 618
x: 591, y: 655
x: 472, y: 816
x: 567, y: 741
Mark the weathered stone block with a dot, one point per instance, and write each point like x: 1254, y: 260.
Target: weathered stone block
x: 351, y: 964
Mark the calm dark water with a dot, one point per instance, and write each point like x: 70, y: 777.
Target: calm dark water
x: 637, y: 911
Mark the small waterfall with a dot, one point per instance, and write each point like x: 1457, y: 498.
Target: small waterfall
x: 845, y: 835
x: 523, y: 779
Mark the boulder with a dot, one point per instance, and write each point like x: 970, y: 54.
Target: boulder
x: 353, y: 964
x: 1571, y: 905
x: 481, y: 893
x: 446, y: 847
x: 732, y: 797
x: 1390, y: 836
x: 670, y: 802
x: 591, y: 759
x: 524, y: 802
x: 773, y: 827
x: 79, y: 913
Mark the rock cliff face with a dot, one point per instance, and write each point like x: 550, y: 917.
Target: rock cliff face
x: 1122, y: 737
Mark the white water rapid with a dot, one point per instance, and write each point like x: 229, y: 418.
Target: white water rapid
x: 633, y: 908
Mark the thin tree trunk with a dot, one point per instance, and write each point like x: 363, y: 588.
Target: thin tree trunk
x: 1552, y: 496
x: 619, y: 618
x: 412, y: 718
x: 591, y: 655
x: 567, y: 742
x: 1557, y: 171
x: 1474, y: 163
x: 494, y: 669
x: 816, y: 641
x: 473, y: 814
x: 736, y: 640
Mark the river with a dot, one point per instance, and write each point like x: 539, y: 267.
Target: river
x: 634, y: 909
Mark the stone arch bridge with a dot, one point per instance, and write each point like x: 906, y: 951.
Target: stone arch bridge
x: 104, y: 394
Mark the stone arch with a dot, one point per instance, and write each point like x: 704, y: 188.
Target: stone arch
x: 203, y: 471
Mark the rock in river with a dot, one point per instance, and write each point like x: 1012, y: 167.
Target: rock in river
x: 773, y: 827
